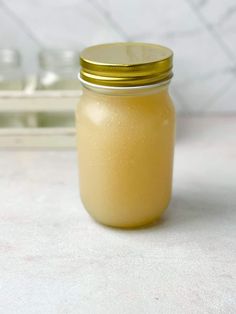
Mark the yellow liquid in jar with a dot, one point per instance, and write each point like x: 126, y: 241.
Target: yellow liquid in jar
x: 125, y: 150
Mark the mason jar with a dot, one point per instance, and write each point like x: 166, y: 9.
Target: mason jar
x: 58, y: 71
x: 11, y: 76
x: 125, y: 133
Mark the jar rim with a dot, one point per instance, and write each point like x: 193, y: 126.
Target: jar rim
x: 93, y: 85
x: 58, y: 58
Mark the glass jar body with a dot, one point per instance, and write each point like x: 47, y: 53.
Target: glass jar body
x: 11, y: 75
x: 125, y: 143
x: 58, y: 70
x: 11, y: 79
x: 59, y: 79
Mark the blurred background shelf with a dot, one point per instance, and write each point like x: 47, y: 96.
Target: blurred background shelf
x: 38, y: 137
x: 40, y: 119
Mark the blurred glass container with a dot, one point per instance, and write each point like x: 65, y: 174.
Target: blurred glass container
x: 58, y: 71
x: 11, y: 76
x: 11, y: 79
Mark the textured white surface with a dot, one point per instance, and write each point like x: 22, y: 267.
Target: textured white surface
x: 54, y: 259
x: 202, y: 34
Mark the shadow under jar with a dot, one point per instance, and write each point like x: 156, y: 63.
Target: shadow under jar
x: 125, y: 133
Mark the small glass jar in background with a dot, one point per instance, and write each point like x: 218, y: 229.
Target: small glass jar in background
x: 11, y: 79
x: 58, y: 71
x: 11, y: 76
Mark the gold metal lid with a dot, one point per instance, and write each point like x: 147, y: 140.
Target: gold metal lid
x: 126, y: 64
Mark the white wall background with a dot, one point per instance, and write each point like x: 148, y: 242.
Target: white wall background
x: 202, y: 34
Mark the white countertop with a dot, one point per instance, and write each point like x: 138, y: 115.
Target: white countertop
x: 55, y: 259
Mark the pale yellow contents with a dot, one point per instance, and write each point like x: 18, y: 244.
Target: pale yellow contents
x: 125, y: 146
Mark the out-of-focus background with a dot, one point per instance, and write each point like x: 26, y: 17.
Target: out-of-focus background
x: 202, y: 34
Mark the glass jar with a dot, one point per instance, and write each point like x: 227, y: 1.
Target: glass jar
x: 125, y: 133
x: 11, y: 79
x: 11, y: 76
x: 58, y: 71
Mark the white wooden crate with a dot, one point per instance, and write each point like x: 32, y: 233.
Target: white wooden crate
x: 29, y: 104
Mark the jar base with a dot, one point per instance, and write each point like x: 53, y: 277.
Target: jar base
x: 142, y: 225
x: 153, y: 218
x: 135, y: 225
